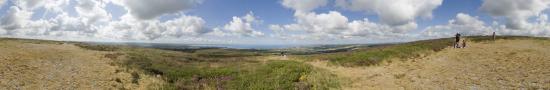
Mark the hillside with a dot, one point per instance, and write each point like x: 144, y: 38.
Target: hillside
x: 507, y: 63
x: 33, y: 64
x: 501, y: 64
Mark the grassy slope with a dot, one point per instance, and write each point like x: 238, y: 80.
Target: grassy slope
x: 378, y: 54
x: 216, y: 68
x: 219, y: 68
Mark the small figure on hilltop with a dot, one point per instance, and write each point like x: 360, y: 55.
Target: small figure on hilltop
x: 457, y: 40
x: 283, y: 53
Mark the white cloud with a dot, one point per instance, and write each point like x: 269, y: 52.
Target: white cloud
x: 393, y: 12
x: 141, y: 22
x: 55, y: 6
x: 540, y: 28
x: 153, y: 29
x: 243, y: 26
x: 64, y: 22
x: 17, y: 23
x: 470, y: 25
x: 84, y: 7
x: 333, y: 25
x: 516, y: 12
x: 60, y: 26
x: 186, y: 25
x: 50, y: 5
x: 463, y: 23
x: 29, y: 4
x: 303, y: 5
x: 150, y: 9
x: 15, y: 18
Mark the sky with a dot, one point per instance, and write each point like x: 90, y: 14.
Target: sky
x: 269, y: 22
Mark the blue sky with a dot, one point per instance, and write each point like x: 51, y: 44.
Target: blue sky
x: 219, y: 12
x: 269, y: 21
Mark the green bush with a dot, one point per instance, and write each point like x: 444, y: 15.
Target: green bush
x: 98, y: 47
x: 188, y: 71
x: 275, y: 75
x: 224, y: 53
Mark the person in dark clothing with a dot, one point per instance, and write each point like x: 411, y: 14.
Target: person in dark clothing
x: 457, y: 40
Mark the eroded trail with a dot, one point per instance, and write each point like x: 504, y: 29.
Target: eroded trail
x: 58, y: 66
x: 503, y: 64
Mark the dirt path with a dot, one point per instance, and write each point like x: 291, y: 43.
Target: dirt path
x: 58, y: 66
x: 504, y: 64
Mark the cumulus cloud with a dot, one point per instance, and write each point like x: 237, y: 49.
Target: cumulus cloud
x: 154, y: 29
x: 141, y: 23
x: 334, y: 25
x: 150, y: 9
x: 64, y: 22
x: 470, y: 25
x: 463, y: 23
x: 29, y: 4
x: 393, y: 12
x: 242, y: 26
x: 19, y: 15
x: 15, y: 18
x: 304, y: 5
x: 540, y: 28
x: 17, y: 22
x: 59, y: 26
x: 55, y: 5
x: 84, y: 7
x: 516, y: 12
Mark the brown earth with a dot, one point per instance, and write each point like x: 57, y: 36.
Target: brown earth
x: 498, y: 65
x: 52, y: 66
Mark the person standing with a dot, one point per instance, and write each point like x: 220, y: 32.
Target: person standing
x: 457, y: 40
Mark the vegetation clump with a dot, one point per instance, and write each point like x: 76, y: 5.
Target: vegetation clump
x: 191, y: 71
x: 98, y: 47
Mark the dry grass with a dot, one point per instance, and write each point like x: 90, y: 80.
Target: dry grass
x: 502, y: 64
x: 28, y: 64
x: 378, y: 54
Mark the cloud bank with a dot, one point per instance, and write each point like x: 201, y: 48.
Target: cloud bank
x: 393, y: 12
x: 516, y: 12
x: 397, y: 19
x: 150, y: 9
x: 139, y: 24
